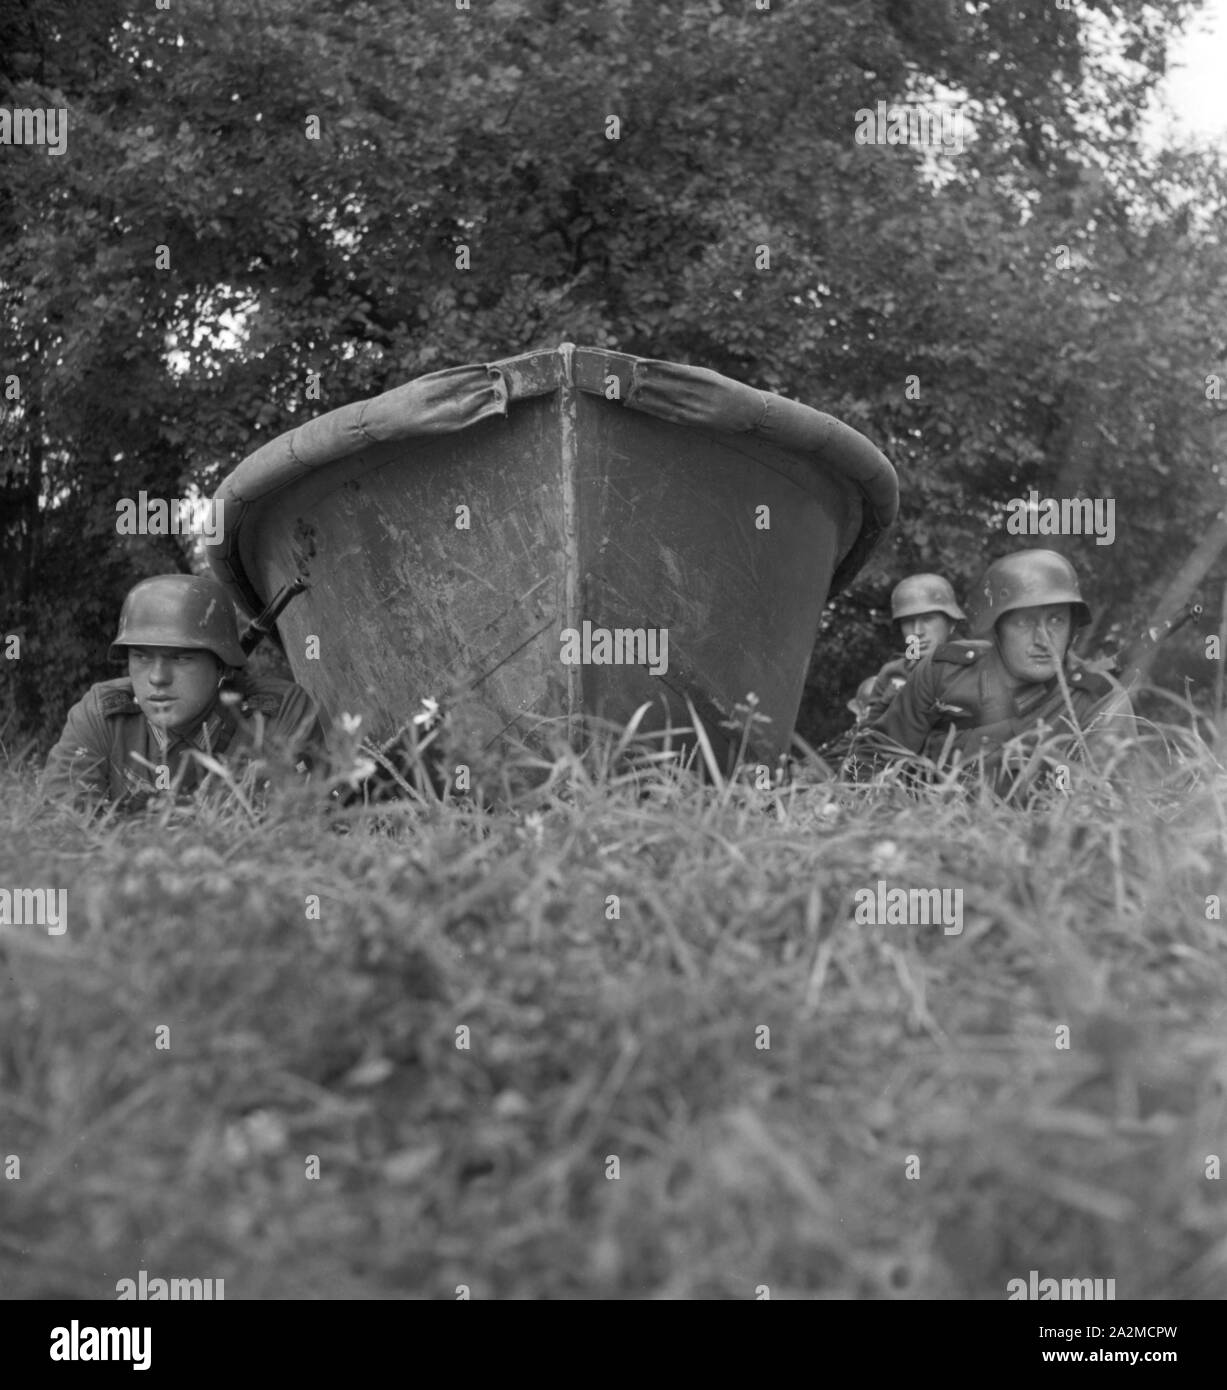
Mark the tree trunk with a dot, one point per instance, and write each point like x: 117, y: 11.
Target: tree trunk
x: 1180, y: 589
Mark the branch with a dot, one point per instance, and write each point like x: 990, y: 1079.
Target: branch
x: 1181, y: 587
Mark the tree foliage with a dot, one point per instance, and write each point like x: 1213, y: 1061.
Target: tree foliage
x: 189, y: 129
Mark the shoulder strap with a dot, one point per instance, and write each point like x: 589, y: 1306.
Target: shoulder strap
x: 260, y: 695
x: 960, y: 653
x: 117, y: 701
x: 260, y: 702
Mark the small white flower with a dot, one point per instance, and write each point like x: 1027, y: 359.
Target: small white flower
x: 266, y: 1131
x: 430, y: 711
x: 351, y: 723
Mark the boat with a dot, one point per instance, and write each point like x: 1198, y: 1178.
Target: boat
x: 557, y: 537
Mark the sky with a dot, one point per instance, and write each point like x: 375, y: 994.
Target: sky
x: 1196, y: 87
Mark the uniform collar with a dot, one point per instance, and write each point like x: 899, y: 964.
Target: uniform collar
x: 204, y: 734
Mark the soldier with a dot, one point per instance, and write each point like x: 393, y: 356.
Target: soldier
x: 185, y: 692
x: 924, y: 607
x: 971, y: 697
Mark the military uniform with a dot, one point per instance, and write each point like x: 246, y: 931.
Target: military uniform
x: 961, y: 694
x: 887, y: 684
x: 913, y: 597
x: 109, y: 751
x: 963, y: 700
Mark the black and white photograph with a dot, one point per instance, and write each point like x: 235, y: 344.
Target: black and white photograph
x: 611, y: 666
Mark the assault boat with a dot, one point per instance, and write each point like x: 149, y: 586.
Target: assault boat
x: 563, y: 534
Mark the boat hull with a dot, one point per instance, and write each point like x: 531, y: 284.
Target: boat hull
x: 677, y: 560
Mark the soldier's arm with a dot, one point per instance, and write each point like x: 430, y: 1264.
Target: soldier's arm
x: 80, y: 763
x: 910, y: 716
x: 878, y: 703
x: 880, y: 697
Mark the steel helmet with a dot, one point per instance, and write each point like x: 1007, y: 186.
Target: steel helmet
x: 863, y: 692
x: 1026, y: 579
x: 924, y: 593
x: 180, y: 610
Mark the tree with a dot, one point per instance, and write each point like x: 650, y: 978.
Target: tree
x: 315, y: 172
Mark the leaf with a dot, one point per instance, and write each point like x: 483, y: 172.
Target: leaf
x: 408, y: 1166
x: 370, y: 1072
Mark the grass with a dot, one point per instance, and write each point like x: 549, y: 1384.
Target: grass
x: 636, y: 1037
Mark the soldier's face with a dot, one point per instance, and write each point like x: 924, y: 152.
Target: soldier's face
x: 1033, y: 641
x: 173, y: 685
x: 929, y: 629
